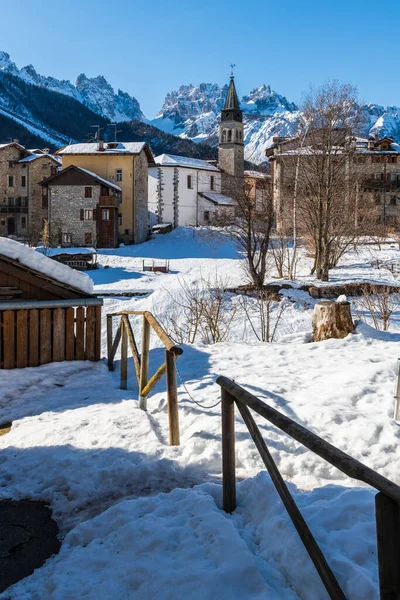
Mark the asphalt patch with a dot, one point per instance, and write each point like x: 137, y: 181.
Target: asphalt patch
x: 28, y: 537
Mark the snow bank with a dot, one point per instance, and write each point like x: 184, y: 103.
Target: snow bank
x: 39, y: 262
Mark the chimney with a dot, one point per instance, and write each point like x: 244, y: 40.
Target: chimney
x: 376, y: 136
x: 46, y: 150
x: 371, y: 144
x: 101, y: 145
x: 15, y: 141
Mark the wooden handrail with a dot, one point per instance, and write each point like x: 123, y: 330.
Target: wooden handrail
x: 124, y: 334
x: 387, y: 501
x: 339, y: 459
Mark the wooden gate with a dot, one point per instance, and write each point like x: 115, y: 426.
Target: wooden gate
x: 34, y: 333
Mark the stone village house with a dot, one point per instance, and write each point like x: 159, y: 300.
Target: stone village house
x: 125, y: 164
x: 377, y: 161
x: 21, y: 170
x: 82, y: 209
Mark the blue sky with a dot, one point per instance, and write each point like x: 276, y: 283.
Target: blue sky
x: 150, y: 48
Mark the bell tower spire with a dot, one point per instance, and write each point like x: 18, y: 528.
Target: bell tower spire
x: 231, y: 144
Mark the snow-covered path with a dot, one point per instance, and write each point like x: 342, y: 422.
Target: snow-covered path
x: 140, y: 519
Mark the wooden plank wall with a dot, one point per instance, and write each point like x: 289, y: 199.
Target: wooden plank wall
x: 32, y: 337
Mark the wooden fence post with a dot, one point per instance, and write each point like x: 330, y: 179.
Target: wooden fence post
x: 144, y: 363
x: 172, y: 395
x: 110, y: 360
x: 387, y: 513
x: 228, y: 451
x: 124, y: 358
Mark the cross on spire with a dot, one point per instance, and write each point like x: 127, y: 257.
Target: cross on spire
x: 232, y: 67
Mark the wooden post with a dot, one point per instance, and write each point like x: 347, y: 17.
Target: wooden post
x: 124, y: 359
x: 228, y: 451
x: 109, y: 343
x: 331, y: 320
x: 172, y: 395
x: 387, y: 513
x: 144, y: 363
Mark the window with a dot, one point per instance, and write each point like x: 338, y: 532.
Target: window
x: 11, y: 202
x: 67, y: 238
x: 237, y: 134
x: 189, y: 182
x: 211, y: 182
x: 23, y: 181
x: 229, y: 135
x: 392, y: 159
x: 105, y: 215
x: 11, y: 181
x: 88, y: 192
x: 207, y: 215
x: 88, y: 238
x: 118, y: 174
x: 393, y: 201
x: 88, y: 214
x: 119, y: 218
x: 45, y: 198
x: 23, y: 222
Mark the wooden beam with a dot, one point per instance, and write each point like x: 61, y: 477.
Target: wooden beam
x: 172, y: 395
x: 342, y: 461
x: 166, y: 340
x: 133, y: 346
x: 144, y: 362
x: 124, y: 359
x: 153, y: 380
x: 387, y: 513
x: 327, y: 577
x: 228, y: 451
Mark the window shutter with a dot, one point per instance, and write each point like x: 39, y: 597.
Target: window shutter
x: 94, y: 214
x: 82, y: 214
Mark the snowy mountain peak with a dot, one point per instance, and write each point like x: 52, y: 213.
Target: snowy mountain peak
x: 6, y: 64
x: 96, y: 93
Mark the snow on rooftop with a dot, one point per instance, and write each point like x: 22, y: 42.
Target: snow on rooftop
x: 38, y: 262
x: 32, y: 157
x: 171, y: 160
x: 218, y: 198
x: 58, y: 251
x: 93, y: 148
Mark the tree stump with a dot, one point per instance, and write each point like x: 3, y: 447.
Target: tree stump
x: 331, y: 320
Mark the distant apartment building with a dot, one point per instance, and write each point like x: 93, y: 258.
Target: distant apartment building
x: 82, y: 209
x: 125, y: 164
x: 21, y: 170
x: 376, y: 161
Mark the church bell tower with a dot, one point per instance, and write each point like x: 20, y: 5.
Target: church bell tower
x: 231, y: 145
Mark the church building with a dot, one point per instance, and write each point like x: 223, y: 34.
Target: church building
x: 185, y: 191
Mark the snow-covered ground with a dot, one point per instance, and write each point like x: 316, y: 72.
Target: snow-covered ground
x: 140, y: 519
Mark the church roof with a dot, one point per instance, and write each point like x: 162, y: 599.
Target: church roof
x: 232, y: 100
x: 171, y: 160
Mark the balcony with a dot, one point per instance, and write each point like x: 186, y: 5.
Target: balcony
x: 14, y: 209
x: 109, y: 200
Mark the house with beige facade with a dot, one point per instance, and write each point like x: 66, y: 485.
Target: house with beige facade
x: 375, y: 161
x: 21, y: 171
x: 125, y: 164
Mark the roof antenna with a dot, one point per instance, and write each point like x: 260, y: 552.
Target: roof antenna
x: 232, y: 67
x: 116, y: 131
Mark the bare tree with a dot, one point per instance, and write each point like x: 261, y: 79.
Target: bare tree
x: 251, y: 222
x: 323, y: 174
x: 378, y: 304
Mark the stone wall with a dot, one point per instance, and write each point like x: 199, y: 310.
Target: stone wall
x: 38, y: 169
x: 18, y: 218
x: 65, y: 205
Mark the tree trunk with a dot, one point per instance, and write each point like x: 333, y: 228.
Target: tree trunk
x: 331, y: 320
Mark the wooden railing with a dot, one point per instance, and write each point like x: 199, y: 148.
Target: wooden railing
x: 387, y: 501
x: 124, y: 336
